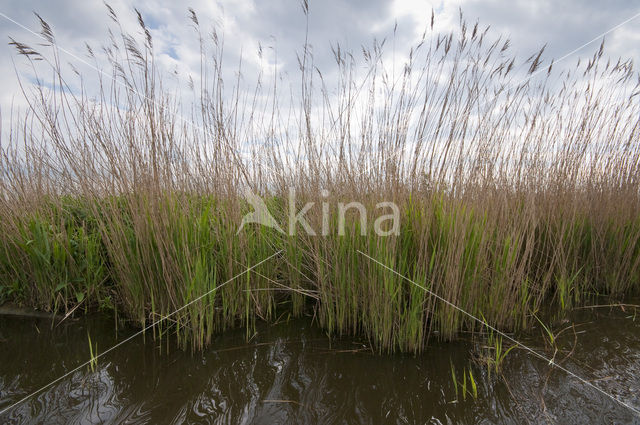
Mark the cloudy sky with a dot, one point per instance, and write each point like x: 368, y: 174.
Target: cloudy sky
x: 279, y: 27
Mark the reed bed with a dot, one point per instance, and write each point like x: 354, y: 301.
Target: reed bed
x: 516, y: 182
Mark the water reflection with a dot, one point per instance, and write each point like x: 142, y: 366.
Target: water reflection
x: 291, y: 373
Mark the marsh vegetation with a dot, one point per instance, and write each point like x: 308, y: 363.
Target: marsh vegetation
x: 517, y: 182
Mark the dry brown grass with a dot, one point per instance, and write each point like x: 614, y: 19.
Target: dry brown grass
x: 513, y: 194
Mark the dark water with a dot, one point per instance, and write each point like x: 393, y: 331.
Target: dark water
x: 292, y: 373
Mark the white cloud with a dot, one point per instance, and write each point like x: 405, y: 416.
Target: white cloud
x: 279, y: 27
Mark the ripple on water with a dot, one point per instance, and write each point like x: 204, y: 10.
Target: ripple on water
x: 291, y: 373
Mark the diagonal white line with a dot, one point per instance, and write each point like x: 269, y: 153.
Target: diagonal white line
x: 509, y: 87
x: 530, y: 350
x: 393, y: 155
x: 137, y: 334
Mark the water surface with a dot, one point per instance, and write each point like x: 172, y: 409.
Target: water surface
x: 292, y: 373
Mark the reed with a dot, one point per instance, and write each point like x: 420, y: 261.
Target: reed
x: 512, y: 195
x: 93, y: 353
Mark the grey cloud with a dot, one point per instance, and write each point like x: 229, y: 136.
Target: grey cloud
x: 562, y: 25
x: 281, y: 24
